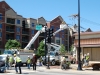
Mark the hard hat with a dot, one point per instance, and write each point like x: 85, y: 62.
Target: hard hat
x: 87, y: 53
x: 14, y: 54
x: 33, y: 54
x: 84, y: 54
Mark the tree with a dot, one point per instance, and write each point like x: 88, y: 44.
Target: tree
x: 71, y: 48
x: 12, y: 44
x: 62, y: 49
x: 41, y: 49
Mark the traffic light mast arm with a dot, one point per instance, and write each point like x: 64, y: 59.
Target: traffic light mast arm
x: 34, y: 38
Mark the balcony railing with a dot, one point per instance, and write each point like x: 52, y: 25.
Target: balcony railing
x: 7, y: 38
x: 25, y: 40
x: 10, y: 30
x: 24, y: 32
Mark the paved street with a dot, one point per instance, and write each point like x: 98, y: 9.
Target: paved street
x: 54, y: 70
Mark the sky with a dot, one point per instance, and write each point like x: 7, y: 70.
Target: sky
x: 50, y: 9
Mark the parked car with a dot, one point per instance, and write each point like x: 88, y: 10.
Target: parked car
x: 2, y: 58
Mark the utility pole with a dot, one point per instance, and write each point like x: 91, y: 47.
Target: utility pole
x: 79, y: 49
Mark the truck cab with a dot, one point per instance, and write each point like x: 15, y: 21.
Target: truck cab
x: 54, y: 58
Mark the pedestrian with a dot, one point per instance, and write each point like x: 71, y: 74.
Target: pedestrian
x: 17, y: 63
x: 84, y: 59
x: 28, y: 62
x: 62, y: 60
x: 87, y: 59
x: 10, y: 62
x: 7, y: 62
x: 34, y: 61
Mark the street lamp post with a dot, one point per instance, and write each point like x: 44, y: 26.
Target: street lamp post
x: 79, y: 61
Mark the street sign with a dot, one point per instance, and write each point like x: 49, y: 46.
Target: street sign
x: 38, y: 27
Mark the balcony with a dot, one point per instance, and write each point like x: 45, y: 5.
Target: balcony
x: 25, y: 40
x: 11, y: 38
x: 10, y: 30
x: 10, y: 21
x: 24, y: 32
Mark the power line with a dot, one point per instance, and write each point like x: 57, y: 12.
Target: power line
x: 89, y: 21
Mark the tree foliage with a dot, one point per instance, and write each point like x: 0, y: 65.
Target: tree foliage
x: 41, y: 49
x: 71, y: 48
x: 12, y: 44
x: 62, y: 49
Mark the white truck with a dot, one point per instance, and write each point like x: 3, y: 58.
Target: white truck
x: 53, y: 60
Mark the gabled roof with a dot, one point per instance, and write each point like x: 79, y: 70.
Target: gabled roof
x: 5, y: 5
x: 58, y: 19
x: 88, y: 30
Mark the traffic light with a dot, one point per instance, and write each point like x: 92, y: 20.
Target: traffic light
x: 48, y: 40
x: 50, y: 32
x: 23, y: 24
x: 47, y: 33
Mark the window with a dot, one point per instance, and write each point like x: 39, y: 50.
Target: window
x: 62, y: 42
x: 18, y: 21
x: 0, y: 16
x: 62, y: 36
x: 17, y: 37
x: 62, y: 31
x: 18, y: 29
x: 57, y: 35
x: 0, y: 34
x: 32, y: 31
x: 0, y: 26
x: 52, y: 27
x: 58, y: 41
x: 57, y: 28
x: 32, y: 24
x: 10, y: 20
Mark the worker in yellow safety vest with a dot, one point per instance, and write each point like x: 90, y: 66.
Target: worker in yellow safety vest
x: 87, y: 59
x: 28, y: 62
x: 10, y: 61
x: 17, y: 62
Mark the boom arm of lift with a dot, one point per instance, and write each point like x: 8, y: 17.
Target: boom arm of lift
x: 34, y: 38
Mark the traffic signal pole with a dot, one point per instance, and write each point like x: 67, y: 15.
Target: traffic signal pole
x: 45, y: 45
x: 48, y: 40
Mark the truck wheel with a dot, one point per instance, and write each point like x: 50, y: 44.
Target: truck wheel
x: 95, y: 67
x: 53, y: 62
